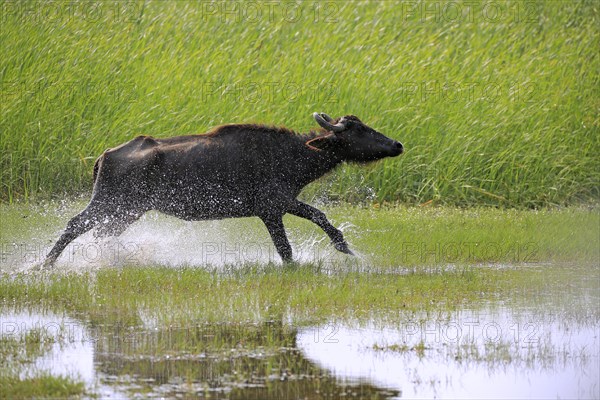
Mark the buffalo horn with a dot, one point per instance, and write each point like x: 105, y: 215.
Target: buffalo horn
x: 322, y: 120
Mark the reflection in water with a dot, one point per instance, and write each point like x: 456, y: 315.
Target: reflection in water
x: 72, y: 351
x: 217, y: 361
x: 472, y: 354
x: 468, y: 354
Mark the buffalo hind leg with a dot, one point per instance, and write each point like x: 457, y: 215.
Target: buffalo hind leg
x: 78, y: 225
x: 116, y: 225
x: 317, y: 216
x: 277, y: 231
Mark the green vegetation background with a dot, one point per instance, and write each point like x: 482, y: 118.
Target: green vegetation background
x: 495, y: 105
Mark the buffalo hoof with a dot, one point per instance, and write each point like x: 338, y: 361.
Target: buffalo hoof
x: 343, y: 247
x: 48, y: 263
x: 40, y: 267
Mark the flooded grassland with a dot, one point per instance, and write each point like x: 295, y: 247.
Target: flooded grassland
x: 438, y: 302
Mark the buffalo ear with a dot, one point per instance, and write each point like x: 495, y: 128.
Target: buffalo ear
x: 321, y: 143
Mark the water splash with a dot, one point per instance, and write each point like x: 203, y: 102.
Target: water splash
x: 157, y: 239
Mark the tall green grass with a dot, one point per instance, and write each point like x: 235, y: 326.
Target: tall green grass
x: 499, y: 109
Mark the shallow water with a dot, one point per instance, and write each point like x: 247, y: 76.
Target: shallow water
x: 548, y: 348
x: 72, y: 351
x: 472, y: 354
x: 487, y: 353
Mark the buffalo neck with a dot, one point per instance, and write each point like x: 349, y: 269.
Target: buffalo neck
x: 311, y: 164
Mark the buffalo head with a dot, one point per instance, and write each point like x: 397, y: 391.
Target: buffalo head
x: 352, y: 140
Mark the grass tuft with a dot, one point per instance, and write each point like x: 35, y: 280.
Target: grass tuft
x: 43, y: 386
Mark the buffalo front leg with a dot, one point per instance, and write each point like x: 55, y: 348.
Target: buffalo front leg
x: 277, y: 231
x: 317, y: 216
x: 78, y: 225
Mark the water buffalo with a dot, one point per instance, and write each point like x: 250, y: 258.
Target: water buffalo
x: 232, y: 171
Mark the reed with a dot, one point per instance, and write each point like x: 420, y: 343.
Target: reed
x: 493, y: 109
